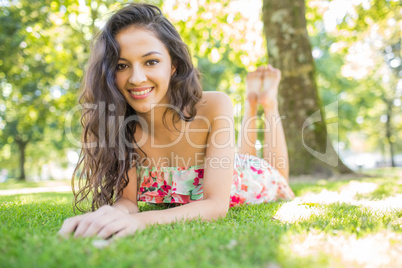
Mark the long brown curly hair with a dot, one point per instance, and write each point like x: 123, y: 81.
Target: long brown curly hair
x: 108, y: 144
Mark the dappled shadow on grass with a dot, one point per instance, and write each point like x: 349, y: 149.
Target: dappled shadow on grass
x: 388, y: 176
x: 381, y: 249
x: 370, y: 188
x: 249, y: 236
x: 349, y: 219
x: 342, y: 235
x: 385, y: 189
x: 331, y: 223
x: 351, y: 206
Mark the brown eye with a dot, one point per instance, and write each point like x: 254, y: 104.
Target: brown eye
x: 152, y: 62
x: 121, y: 66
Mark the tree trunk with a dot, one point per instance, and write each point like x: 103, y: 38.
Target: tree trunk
x: 388, y: 126
x: 289, y: 49
x: 22, y: 146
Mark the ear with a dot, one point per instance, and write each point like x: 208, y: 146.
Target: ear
x: 173, y: 70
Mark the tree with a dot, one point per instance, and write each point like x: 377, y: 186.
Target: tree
x: 39, y: 78
x: 289, y: 49
x: 44, y: 46
x: 376, y: 27
x: 24, y: 72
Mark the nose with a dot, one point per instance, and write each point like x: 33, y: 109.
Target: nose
x: 137, y: 76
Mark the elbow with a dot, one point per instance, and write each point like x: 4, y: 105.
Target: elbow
x: 223, y: 212
x: 218, y: 209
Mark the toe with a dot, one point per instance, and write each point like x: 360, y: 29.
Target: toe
x: 270, y: 68
x: 261, y: 70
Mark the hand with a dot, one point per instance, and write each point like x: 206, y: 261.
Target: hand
x: 105, y: 222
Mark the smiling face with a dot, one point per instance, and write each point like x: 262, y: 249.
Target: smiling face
x: 144, y: 69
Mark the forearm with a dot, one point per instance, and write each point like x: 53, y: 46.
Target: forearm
x: 126, y: 205
x: 275, y: 141
x: 205, y: 209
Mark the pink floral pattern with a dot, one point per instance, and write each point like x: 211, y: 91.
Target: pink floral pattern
x: 254, y: 182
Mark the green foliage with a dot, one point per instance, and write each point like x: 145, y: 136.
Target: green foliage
x: 45, y: 45
x: 366, y: 93
x: 37, y: 85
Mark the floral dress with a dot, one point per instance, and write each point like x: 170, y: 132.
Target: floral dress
x: 254, y: 182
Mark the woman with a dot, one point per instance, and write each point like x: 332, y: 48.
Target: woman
x: 160, y: 139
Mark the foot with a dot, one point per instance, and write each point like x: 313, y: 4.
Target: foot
x: 253, y: 86
x: 270, y: 82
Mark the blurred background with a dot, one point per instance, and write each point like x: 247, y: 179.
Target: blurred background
x: 44, y: 46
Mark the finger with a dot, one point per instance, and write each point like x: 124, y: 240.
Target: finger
x: 120, y: 234
x: 84, y: 223
x: 69, y: 225
x: 92, y: 218
x: 130, y: 229
x: 98, y: 223
x: 111, y: 229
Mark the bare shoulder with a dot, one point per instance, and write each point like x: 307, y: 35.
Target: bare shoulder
x: 215, y: 103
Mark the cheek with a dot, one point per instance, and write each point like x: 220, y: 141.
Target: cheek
x: 119, y: 81
x: 161, y: 77
x: 167, y: 75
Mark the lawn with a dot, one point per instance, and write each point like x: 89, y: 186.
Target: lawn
x: 331, y: 223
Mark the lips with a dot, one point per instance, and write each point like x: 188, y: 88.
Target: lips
x: 141, y: 93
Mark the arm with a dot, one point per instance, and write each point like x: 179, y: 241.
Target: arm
x: 218, y: 173
x: 107, y: 220
x: 123, y: 219
x: 128, y: 201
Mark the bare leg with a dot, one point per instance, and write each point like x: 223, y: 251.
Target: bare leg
x: 275, y: 149
x: 248, y: 133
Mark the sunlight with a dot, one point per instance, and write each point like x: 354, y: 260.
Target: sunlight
x: 296, y: 210
x: 373, y: 250
x: 243, y: 30
x: 359, y: 62
x: 338, y: 9
x: 54, y: 189
x: 356, y: 187
x: 302, y: 208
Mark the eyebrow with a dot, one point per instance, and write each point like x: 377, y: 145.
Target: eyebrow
x: 150, y: 53
x: 145, y: 55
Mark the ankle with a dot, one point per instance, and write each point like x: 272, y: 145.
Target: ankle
x: 250, y: 108
x: 271, y: 106
x: 252, y: 100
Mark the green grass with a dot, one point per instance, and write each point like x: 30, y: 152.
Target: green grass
x: 250, y: 236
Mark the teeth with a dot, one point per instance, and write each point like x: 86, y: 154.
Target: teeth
x: 139, y: 93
